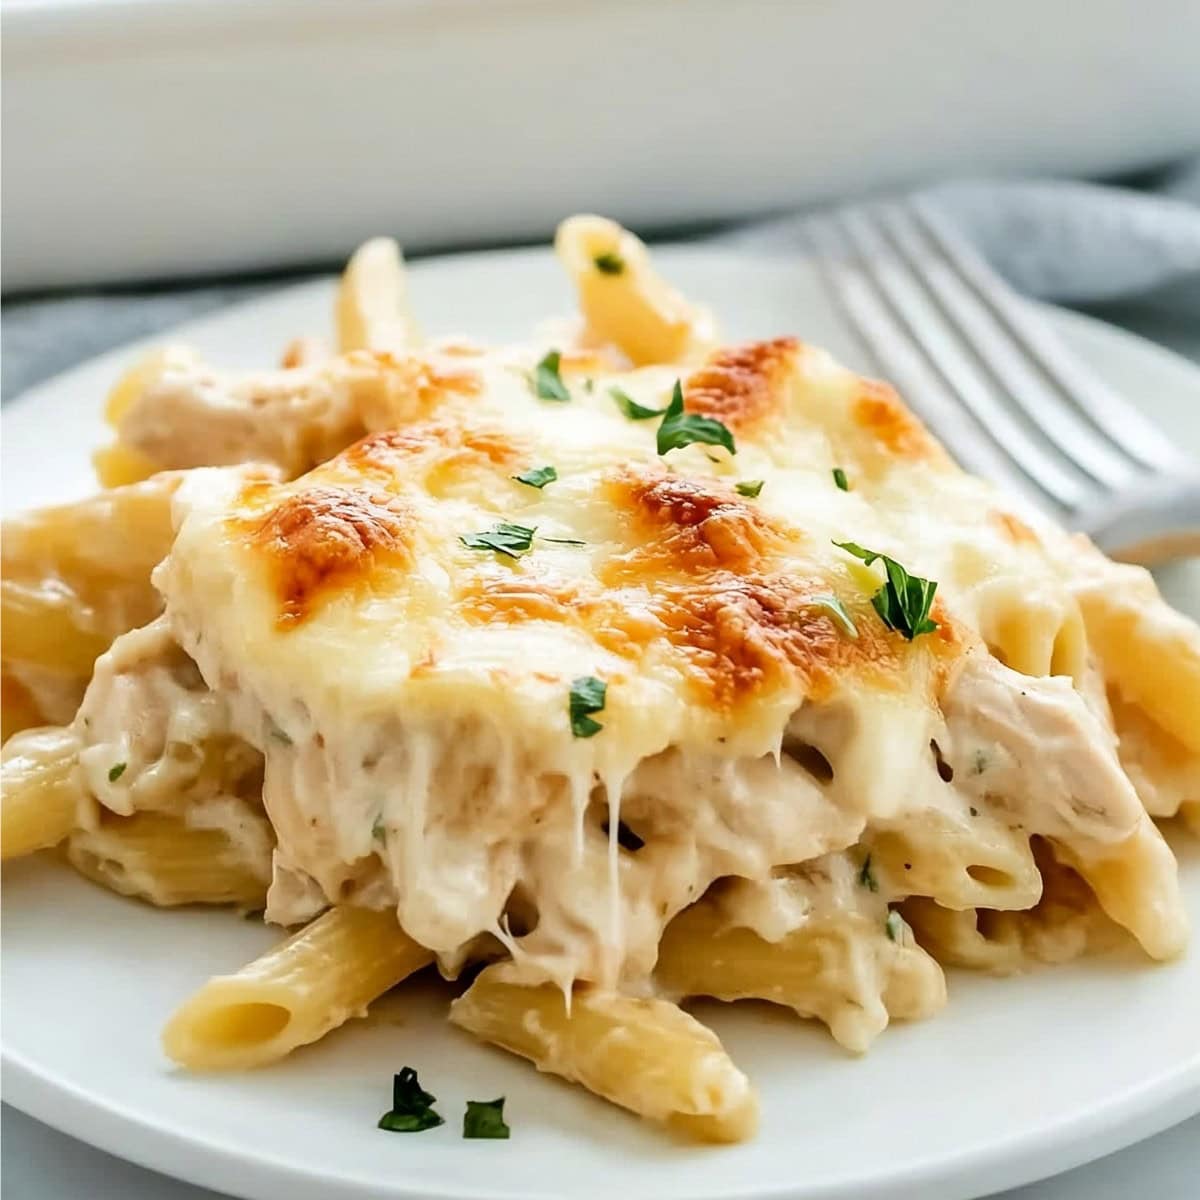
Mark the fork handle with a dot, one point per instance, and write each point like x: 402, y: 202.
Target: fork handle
x: 1155, y: 523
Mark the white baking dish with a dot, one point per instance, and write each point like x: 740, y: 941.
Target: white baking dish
x: 154, y: 137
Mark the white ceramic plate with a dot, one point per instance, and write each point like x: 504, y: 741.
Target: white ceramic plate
x: 1017, y: 1079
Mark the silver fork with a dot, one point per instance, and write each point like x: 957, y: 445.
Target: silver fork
x: 991, y: 378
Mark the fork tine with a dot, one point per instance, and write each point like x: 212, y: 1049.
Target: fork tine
x: 898, y: 358
x: 942, y: 348
x: 1002, y: 354
x: 1123, y: 424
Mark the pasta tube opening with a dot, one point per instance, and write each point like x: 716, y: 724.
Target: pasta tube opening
x: 294, y: 994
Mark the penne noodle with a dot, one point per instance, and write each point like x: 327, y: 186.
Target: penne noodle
x: 18, y: 709
x: 78, y: 575
x: 371, y: 309
x: 160, y: 859
x: 623, y: 300
x: 975, y: 866
x: 1137, y: 884
x: 294, y: 994
x: 845, y: 971
x: 646, y: 1055
x: 117, y: 465
x: 1148, y: 652
x: 44, y: 628
x: 41, y: 790
x: 1065, y: 923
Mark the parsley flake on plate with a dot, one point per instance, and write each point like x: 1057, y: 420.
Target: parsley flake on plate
x: 631, y: 408
x: 588, y: 695
x: 116, y: 771
x: 412, y: 1106
x: 537, y: 477
x: 485, y: 1119
x: 684, y: 429
x: 749, y: 487
x: 609, y: 263
x: 839, y: 477
x: 894, y: 926
x: 503, y: 537
x: 547, y: 382
x: 903, y: 602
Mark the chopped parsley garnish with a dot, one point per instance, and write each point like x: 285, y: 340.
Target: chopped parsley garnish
x: 412, y: 1106
x: 833, y: 608
x: 116, y: 771
x: 609, y: 263
x: 980, y: 762
x: 537, y: 477
x: 749, y: 487
x: 683, y: 429
x: 866, y: 877
x: 894, y: 926
x: 280, y: 735
x: 839, y: 477
x: 903, y: 602
x: 631, y: 408
x: 512, y: 540
x: 587, y: 696
x: 485, y: 1119
x: 503, y: 538
x: 547, y: 382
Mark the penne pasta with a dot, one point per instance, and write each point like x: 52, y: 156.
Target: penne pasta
x: 980, y: 865
x: 41, y: 790
x: 1137, y: 884
x: 1148, y: 652
x: 165, y: 861
x: 294, y: 994
x: 117, y: 465
x: 623, y: 300
x: 371, y: 310
x: 646, y: 1055
x: 845, y: 970
x: 1065, y: 923
x: 43, y: 627
x: 18, y: 709
x: 75, y: 577
x: 1036, y: 640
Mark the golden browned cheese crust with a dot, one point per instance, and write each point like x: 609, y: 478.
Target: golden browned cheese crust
x: 324, y: 540
x: 880, y: 412
x: 743, y: 386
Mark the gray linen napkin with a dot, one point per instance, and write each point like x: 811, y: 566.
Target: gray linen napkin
x: 1075, y: 243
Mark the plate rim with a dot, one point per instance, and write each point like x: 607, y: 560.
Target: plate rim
x: 1082, y: 1136
x: 1138, y: 1114
x: 1134, y: 343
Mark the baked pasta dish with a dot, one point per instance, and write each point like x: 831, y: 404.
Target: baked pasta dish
x: 617, y: 668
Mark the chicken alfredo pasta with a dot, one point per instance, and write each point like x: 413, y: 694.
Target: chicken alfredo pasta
x: 618, y: 668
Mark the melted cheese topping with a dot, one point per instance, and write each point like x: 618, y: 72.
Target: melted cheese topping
x: 410, y: 693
